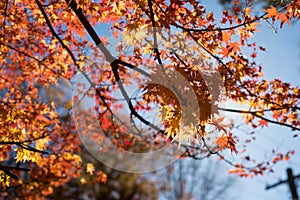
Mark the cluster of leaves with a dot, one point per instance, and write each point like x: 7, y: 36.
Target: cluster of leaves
x: 42, y: 42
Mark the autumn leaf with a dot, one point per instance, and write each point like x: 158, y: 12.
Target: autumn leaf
x: 271, y: 12
x: 225, y: 51
x: 253, y: 55
x: 222, y: 142
x: 217, y: 122
x: 252, y: 27
x: 263, y: 123
x: 90, y: 168
x: 226, y: 37
x: 226, y: 141
x: 231, y: 143
x: 52, y: 43
x: 284, y: 19
x: 235, y: 47
x: 276, y: 114
x: 83, y: 181
x: 101, y: 177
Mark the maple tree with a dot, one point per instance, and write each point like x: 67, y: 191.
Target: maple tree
x: 182, y: 78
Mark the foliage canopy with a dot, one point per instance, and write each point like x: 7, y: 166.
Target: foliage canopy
x: 44, y: 42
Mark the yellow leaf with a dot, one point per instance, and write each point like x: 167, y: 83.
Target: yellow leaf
x: 4, y: 179
x: 82, y: 181
x: 90, y: 168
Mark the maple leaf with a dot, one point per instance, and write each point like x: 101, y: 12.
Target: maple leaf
x: 4, y: 179
x: 222, y: 142
x: 226, y: 141
x: 229, y: 49
x: 225, y: 51
x: 235, y: 46
x: 271, y: 12
x: 231, y: 143
x: 252, y: 27
x: 101, y: 177
x: 263, y: 123
x: 217, y: 123
x: 226, y: 37
x: 51, y: 44
x: 284, y: 19
x: 276, y: 114
x: 90, y: 168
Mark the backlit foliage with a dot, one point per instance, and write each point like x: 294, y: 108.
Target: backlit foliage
x: 45, y: 41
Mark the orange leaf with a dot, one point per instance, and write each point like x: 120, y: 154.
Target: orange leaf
x: 235, y: 46
x: 271, y: 12
x: 101, y: 177
x: 225, y: 51
x: 222, y: 142
x: 276, y: 114
x: 225, y: 37
x: 231, y: 143
x: 226, y: 142
x: 284, y: 19
x: 263, y: 123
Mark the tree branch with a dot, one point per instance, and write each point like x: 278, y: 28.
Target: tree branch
x: 7, y: 170
x: 255, y: 113
x: 29, y: 148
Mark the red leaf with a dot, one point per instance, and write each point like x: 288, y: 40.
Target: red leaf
x: 253, y: 55
x: 237, y: 9
x: 276, y: 114
x: 263, y: 123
